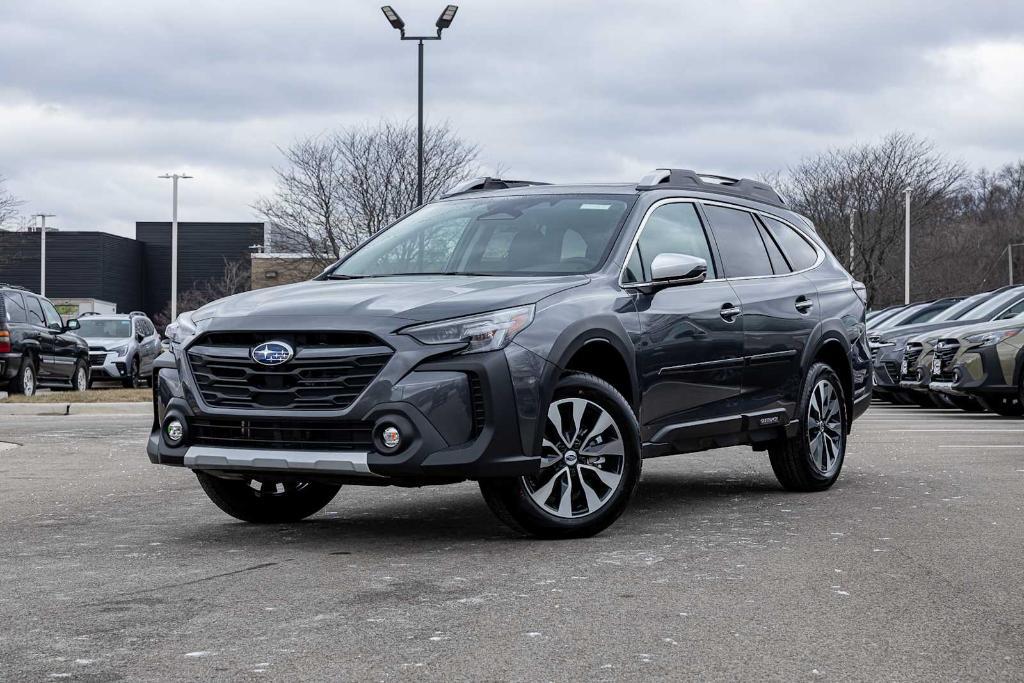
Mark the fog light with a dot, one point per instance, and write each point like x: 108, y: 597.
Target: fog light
x: 391, y: 437
x: 175, y: 431
x: 957, y: 376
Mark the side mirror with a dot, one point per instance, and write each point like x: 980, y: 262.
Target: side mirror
x: 73, y: 324
x: 678, y: 269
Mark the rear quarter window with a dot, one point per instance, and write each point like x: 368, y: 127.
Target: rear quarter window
x: 798, y: 250
x: 14, y: 307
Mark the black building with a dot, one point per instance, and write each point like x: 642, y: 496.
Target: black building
x: 135, y: 274
x: 203, y: 250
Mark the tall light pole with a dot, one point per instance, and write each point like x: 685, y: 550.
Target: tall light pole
x: 853, y: 218
x: 174, y: 177
x: 906, y: 250
x: 443, y: 22
x: 1009, y: 257
x: 42, y: 250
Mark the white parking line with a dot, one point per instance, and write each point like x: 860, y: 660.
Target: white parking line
x: 981, y: 446
x: 960, y: 431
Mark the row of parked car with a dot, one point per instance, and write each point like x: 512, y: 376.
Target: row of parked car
x: 37, y: 348
x: 963, y: 352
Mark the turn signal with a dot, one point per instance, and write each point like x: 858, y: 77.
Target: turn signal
x: 5, y: 341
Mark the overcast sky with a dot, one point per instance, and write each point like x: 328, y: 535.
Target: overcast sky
x: 97, y: 98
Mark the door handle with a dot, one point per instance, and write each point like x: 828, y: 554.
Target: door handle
x: 803, y: 304
x: 729, y: 312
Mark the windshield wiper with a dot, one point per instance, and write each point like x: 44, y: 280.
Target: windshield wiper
x: 336, y: 276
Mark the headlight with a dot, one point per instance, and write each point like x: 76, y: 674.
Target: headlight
x: 485, y: 332
x: 120, y: 349
x: 181, y: 329
x: 989, y: 338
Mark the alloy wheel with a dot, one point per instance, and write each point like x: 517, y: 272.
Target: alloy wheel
x: 81, y: 380
x: 582, y: 461
x: 28, y: 381
x: 825, y: 428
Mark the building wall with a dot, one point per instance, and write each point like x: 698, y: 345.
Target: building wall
x: 203, y: 249
x: 269, y: 270
x: 83, y: 265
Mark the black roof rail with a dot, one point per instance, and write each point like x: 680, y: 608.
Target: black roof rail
x: 478, y: 184
x: 664, y: 178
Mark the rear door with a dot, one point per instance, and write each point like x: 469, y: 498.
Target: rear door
x: 690, y: 354
x: 779, y: 307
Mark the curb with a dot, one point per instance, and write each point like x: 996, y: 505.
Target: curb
x: 137, y: 408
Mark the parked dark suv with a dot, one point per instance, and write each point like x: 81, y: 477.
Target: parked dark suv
x: 539, y: 339
x: 36, y: 348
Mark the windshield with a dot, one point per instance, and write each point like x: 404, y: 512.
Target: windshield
x: 994, y: 305
x: 961, y: 307
x: 104, y: 328
x: 526, y: 235
x: 898, y: 319
x: 928, y: 314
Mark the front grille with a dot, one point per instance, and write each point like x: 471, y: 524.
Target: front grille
x: 97, y: 358
x: 892, y: 368
x: 945, y: 351
x: 329, y: 370
x: 282, y: 435
x: 911, y: 356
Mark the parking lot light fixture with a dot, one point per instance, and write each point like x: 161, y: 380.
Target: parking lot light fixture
x: 174, y: 177
x: 444, y: 21
x: 906, y: 249
x: 42, y: 250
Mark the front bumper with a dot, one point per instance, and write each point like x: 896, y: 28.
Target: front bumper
x: 107, y: 366
x: 987, y: 370
x: 462, y: 417
x: 886, y: 366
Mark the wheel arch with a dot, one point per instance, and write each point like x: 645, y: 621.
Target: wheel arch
x: 831, y: 347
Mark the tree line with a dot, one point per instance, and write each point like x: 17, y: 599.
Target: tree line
x: 334, y: 190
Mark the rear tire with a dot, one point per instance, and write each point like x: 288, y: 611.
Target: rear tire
x: 591, y: 465
x: 265, y: 499
x: 812, y: 459
x: 26, y: 381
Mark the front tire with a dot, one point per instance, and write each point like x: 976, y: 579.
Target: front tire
x: 590, y: 465
x: 134, y: 378
x: 812, y: 459
x: 80, y: 378
x: 266, y: 499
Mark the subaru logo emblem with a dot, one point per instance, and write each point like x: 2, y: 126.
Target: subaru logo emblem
x: 272, y: 353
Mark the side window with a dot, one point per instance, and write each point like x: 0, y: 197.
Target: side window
x: 15, y: 307
x: 150, y: 330
x: 52, y: 316
x: 743, y: 250
x: 1012, y: 312
x: 779, y: 263
x: 672, y: 228
x: 801, y: 254
x: 35, y: 311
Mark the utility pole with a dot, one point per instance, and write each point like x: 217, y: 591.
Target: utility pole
x: 1009, y: 257
x: 174, y: 177
x: 444, y: 21
x: 42, y: 250
x: 906, y: 250
x: 853, y: 217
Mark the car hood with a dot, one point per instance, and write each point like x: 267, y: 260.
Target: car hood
x: 994, y: 326
x: 106, y: 342
x: 919, y: 328
x: 418, y: 298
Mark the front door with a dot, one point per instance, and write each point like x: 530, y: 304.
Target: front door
x: 690, y: 354
x: 65, y: 350
x: 43, y: 336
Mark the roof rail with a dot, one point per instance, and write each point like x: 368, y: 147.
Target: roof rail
x: 664, y: 178
x: 487, y: 183
x: 7, y: 285
x: 131, y: 313
x: 88, y: 313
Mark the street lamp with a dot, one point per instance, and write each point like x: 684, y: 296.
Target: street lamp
x: 42, y: 251
x: 444, y: 21
x: 906, y: 250
x: 174, y: 177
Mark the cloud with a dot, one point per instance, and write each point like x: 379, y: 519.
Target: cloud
x: 98, y: 98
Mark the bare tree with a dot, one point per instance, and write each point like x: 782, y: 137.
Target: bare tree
x: 868, y: 181
x: 235, y: 280
x: 9, y: 217
x: 337, y: 189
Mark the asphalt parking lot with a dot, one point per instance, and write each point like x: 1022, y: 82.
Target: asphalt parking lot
x: 909, y: 569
